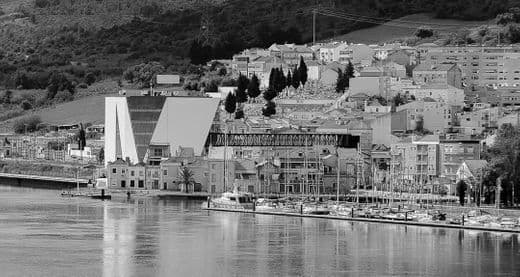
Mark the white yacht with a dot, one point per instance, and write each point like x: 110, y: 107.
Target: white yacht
x: 233, y: 200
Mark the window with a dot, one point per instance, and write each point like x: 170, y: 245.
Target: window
x: 165, y: 172
x: 114, y: 170
x: 141, y: 173
x: 213, y: 178
x: 213, y: 166
x: 132, y: 183
x: 132, y: 173
x: 141, y: 183
x: 123, y: 183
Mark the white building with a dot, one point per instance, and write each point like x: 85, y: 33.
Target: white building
x: 149, y: 129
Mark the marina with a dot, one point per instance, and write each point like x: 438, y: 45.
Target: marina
x: 155, y: 237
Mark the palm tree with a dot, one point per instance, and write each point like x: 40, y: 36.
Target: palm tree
x: 186, y: 178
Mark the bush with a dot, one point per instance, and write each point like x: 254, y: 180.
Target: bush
x: 29, y: 124
x: 424, y: 32
x: 90, y: 78
x: 63, y: 96
x: 26, y: 105
x: 41, y: 3
x: 82, y: 85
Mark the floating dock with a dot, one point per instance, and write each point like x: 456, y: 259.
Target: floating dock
x: 371, y: 220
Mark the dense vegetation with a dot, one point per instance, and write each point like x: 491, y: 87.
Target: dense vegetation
x: 79, y: 54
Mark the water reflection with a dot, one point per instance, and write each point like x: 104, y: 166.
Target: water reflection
x: 148, y: 237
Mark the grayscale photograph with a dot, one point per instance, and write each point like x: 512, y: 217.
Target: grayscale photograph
x: 259, y: 138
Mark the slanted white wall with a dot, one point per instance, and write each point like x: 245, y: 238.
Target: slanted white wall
x: 185, y: 122
x: 118, y: 107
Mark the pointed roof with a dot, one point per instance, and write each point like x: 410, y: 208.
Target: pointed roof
x: 475, y: 166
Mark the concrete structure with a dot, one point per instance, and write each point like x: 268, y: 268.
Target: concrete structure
x: 453, y: 152
x: 427, y: 73
x: 439, y: 92
x: 475, y: 122
x: 415, y: 161
x: 149, y: 129
x: 433, y: 115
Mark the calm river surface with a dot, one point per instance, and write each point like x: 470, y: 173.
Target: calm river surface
x: 42, y: 234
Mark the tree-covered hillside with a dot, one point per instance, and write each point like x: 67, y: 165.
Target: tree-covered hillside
x: 107, y: 36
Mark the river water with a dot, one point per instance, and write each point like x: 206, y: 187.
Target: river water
x: 42, y: 234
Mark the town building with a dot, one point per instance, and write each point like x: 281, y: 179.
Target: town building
x: 427, y: 114
x: 427, y: 73
x: 439, y: 92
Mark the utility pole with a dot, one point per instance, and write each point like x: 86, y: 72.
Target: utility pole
x: 314, y: 11
x: 337, y: 177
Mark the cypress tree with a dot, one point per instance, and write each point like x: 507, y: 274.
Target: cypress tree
x: 241, y: 95
x: 253, y: 89
x: 340, y: 88
x: 289, y: 79
x: 283, y: 80
x: 270, y: 94
x: 230, y: 104
x: 349, y: 73
x: 269, y: 109
x: 272, y: 78
x: 303, y: 71
x: 296, y: 78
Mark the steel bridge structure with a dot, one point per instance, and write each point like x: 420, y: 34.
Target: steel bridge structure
x: 282, y: 140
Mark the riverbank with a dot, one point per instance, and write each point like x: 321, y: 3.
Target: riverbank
x: 369, y: 220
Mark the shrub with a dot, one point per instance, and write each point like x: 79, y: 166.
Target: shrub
x: 26, y: 105
x: 63, y: 96
x: 41, y: 3
x: 90, y: 78
x: 82, y: 85
x: 424, y: 32
x: 29, y: 124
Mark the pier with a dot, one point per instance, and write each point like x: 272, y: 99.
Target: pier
x: 369, y: 220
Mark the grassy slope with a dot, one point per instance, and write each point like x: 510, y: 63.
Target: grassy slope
x: 383, y: 33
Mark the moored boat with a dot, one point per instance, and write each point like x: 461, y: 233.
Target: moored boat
x: 233, y: 200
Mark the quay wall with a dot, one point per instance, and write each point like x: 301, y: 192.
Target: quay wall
x: 32, y: 183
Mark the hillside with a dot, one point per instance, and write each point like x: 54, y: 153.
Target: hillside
x: 393, y: 31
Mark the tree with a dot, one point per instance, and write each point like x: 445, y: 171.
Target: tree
x: 398, y: 100
x: 186, y: 178
x: 270, y: 94
x: 349, y: 74
x: 282, y: 80
x: 59, y: 82
x: 302, y: 70
x: 424, y: 32
x: 239, y: 114
x: 82, y: 138
x: 296, y: 78
x: 101, y: 155
x: 272, y: 78
x: 340, y: 84
x: 26, y: 105
x: 144, y: 73
x: 461, y: 191
x: 6, y: 97
x: 90, y: 78
x: 253, y: 89
x: 230, y: 104
x: 29, y: 124
x: 289, y: 79
x: 504, y: 161
x: 269, y: 109
x: 241, y: 95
